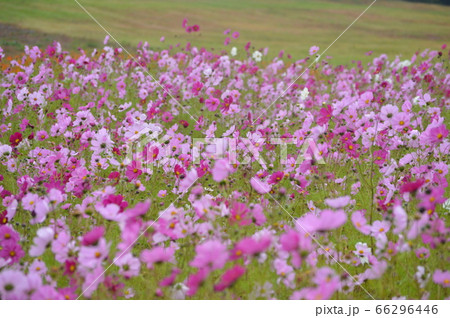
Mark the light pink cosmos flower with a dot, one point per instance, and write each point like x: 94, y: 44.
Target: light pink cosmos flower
x: 221, y: 170
x: 326, y: 220
x: 93, y: 278
x: 101, y: 142
x: 157, y: 255
x: 360, y: 222
x: 43, y: 238
x: 260, y: 186
x: 47, y: 293
x: 212, y: 254
x: 162, y: 193
x: 376, y: 271
x: 41, y: 135
x: 188, y: 180
x: 313, y: 50
x: 128, y: 264
x: 13, y: 284
x: 93, y: 256
x: 338, y: 203
x: 422, y: 253
x: 29, y: 201
x: 380, y: 228
x: 400, y: 219
x: 442, y: 278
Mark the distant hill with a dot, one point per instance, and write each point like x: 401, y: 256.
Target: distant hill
x: 444, y: 2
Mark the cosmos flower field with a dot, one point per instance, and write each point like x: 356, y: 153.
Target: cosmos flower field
x: 259, y: 177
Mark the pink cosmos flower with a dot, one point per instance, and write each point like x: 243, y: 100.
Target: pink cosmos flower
x: 93, y: 255
x: 11, y: 251
x: 162, y: 193
x: 168, y: 281
x: 41, y: 135
x: 442, y: 278
x: 189, y: 180
x: 128, y: 264
x: 360, y: 222
x: 7, y: 233
x: 133, y: 170
x: 380, y: 156
x: 400, y: 121
x: 376, y: 271
x: 43, y: 238
x: 422, y: 253
x: 212, y: 104
x: 101, y: 142
x: 437, y: 134
x: 249, y: 246
x: 313, y: 50
x: 167, y: 117
x: 240, y: 214
x: 326, y: 220
x: 195, y: 280
x: 380, y: 228
x: 93, y: 278
x: 338, y: 203
x: 221, y: 170
x: 212, y: 254
x: 29, y: 201
x: 400, y: 219
x: 388, y: 112
x: 46, y: 293
x: 324, y: 115
x: 13, y: 284
x: 157, y: 255
x: 260, y: 186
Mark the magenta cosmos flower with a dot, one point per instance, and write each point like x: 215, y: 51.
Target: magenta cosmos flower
x: 230, y: 277
x: 93, y: 236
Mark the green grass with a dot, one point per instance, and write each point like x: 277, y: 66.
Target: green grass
x: 391, y: 27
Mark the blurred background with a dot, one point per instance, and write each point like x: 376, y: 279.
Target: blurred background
x: 389, y: 26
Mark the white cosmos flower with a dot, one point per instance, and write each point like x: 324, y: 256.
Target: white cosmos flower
x: 207, y: 71
x: 257, y: 55
x: 233, y: 51
x: 304, y: 94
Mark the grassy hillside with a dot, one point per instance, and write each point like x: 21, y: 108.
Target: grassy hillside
x: 392, y: 27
